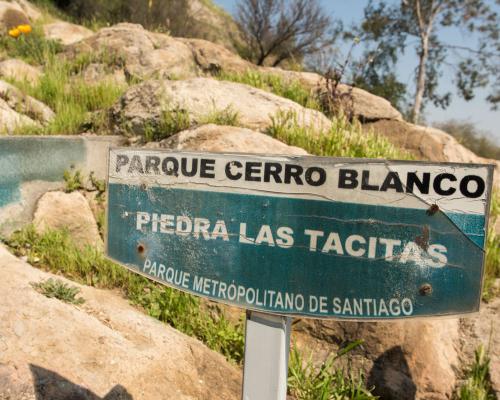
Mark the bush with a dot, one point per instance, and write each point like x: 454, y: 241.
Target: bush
x: 469, y: 136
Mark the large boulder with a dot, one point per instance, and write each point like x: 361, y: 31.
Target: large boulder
x: 355, y: 102
x: 402, y: 360
x: 141, y: 53
x: 227, y: 139
x: 105, y: 348
x: 69, y: 211
x: 213, y: 58
x: 12, y: 14
x: 18, y: 109
x: 66, y: 32
x: 19, y: 70
x: 145, y: 105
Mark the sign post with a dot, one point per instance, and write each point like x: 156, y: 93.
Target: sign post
x: 267, y: 342
x: 301, y: 236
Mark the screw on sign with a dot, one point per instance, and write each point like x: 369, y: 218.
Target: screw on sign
x: 303, y: 236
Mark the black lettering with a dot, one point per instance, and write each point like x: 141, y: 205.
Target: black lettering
x: 321, y: 176
x: 194, y: 167
x: 413, y: 180
x: 229, y: 173
x: 293, y: 171
x: 135, y: 165
x: 173, y: 170
x: 480, y: 186
x: 252, y: 168
x: 274, y: 170
x: 152, y: 163
x: 207, y: 168
x: 348, y: 179
x: 365, y: 185
x: 438, y: 180
x: 392, y: 181
x: 121, y: 160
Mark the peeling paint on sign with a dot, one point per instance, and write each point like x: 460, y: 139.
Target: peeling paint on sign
x: 318, y: 237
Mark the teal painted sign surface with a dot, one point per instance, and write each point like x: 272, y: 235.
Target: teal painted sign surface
x: 24, y: 159
x: 318, y: 237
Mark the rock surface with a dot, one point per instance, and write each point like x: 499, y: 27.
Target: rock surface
x: 143, y: 105
x: 404, y: 360
x: 102, y: 349
x: 71, y: 211
x: 66, y: 32
x: 19, y: 70
x: 143, y: 54
x: 24, y: 105
x: 228, y: 139
x: 12, y: 15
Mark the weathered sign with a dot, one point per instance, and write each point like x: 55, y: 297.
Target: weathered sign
x: 321, y: 237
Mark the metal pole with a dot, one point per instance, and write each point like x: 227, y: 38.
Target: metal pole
x: 267, y: 345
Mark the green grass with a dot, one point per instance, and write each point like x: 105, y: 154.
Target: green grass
x: 73, y: 181
x: 55, y: 252
x: 55, y: 288
x: 343, y: 139
x: 325, y: 382
x: 477, y: 385
x: 492, y: 265
x: 226, y: 116
x: 292, y: 89
x: 172, y: 121
x: 71, y: 98
x: 32, y: 48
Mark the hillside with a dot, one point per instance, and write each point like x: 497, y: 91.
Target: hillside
x: 77, y: 91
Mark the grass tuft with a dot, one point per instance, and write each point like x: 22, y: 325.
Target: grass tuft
x: 343, y: 139
x: 33, y: 48
x: 289, y: 89
x: 57, y: 289
x: 226, y: 116
x: 492, y: 264
x: 478, y: 386
x: 325, y: 382
x: 73, y: 181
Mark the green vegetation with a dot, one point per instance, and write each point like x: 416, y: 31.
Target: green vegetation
x: 492, y: 267
x: 73, y: 181
x: 477, y: 385
x: 55, y: 288
x: 32, y: 48
x: 54, y: 251
x: 172, y: 121
x: 343, y: 139
x: 289, y: 89
x: 226, y: 116
x: 307, y: 382
x: 71, y: 98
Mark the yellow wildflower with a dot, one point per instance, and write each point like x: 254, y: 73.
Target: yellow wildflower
x: 24, y: 29
x: 14, y: 33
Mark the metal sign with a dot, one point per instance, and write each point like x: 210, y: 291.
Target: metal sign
x: 310, y: 236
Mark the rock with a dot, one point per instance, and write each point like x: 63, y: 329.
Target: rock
x: 71, y: 211
x: 143, y: 105
x: 141, y: 53
x: 213, y: 58
x: 357, y: 102
x: 97, y: 73
x: 228, y: 139
x: 10, y: 119
x: 19, y: 70
x: 104, y: 348
x: 404, y: 360
x: 66, y: 32
x: 24, y: 104
x: 12, y: 15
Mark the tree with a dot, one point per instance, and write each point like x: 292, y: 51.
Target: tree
x: 278, y: 30
x: 417, y: 24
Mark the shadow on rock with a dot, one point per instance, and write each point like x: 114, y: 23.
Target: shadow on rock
x: 391, y: 376
x: 52, y: 386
